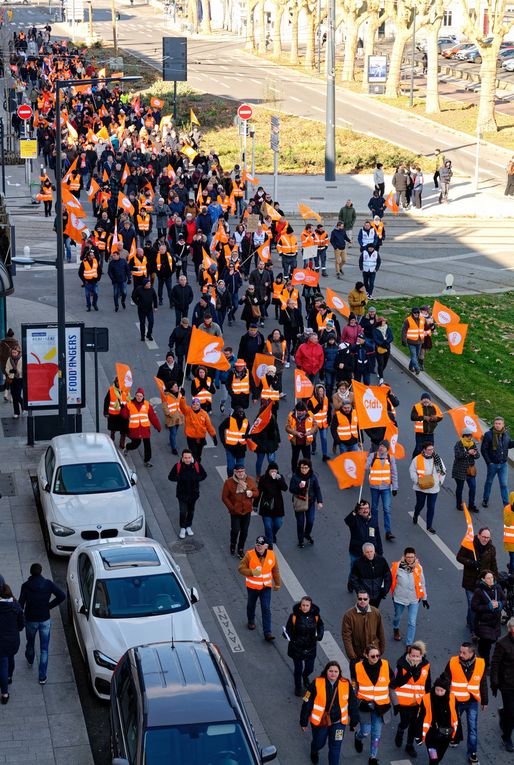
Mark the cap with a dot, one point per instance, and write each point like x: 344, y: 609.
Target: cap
x: 140, y: 390
x: 196, y: 401
x: 253, y: 326
x: 240, y: 363
x: 467, y: 432
x: 372, y: 308
x: 425, y: 395
x: 261, y: 540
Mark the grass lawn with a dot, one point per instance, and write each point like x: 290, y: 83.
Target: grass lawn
x: 484, y: 373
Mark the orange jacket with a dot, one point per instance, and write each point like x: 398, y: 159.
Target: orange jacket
x: 196, y: 424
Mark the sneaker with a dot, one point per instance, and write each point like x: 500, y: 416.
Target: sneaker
x: 174, y: 451
x: 123, y: 304
x: 324, y: 272
x: 116, y: 309
x: 15, y: 416
x: 95, y: 307
x: 251, y: 625
x: 357, y: 742
x: 182, y: 534
x: 390, y: 536
x: 485, y: 503
x: 149, y: 337
x: 397, y: 634
x: 222, y: 408
x: 453, y: 744
x: 380, y: 380
x: 190, y: 532
x: 241, y: 553
x: 301, y: 544
x: 287, y: 365
x: 309, y: 539
x: 269, y: 637
x: 431, y: 530
x: 42, y: 680
x: 473, y: 759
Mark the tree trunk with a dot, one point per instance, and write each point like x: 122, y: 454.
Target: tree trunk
x: 395, y: 66
x: 486, y: 117
x: 370, y: 32
x: 262, y: 27
x: 293, y: 56
x: 277, y: 29
x: 311, y: 37
x: 206, y: 17
x: 350, y: 47
x: 250, y: 25
x: 192, y: 14
x: 432, y: 105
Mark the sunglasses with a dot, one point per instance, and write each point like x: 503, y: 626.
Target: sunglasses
x: 365, y: 600
x: 373, y: 656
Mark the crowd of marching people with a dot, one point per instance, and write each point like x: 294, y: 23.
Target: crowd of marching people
x: 171, y: 225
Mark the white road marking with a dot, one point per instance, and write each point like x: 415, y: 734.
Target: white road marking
x: 293, y: 98
x: 222, y: 470
x: 150, y: 344
x: 401, y: 762
x: 334, y: 653
x: 317, y: 108
x: 228, y: 629
x: 439, y: 543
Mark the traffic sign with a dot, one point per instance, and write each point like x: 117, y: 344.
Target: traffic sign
x: 24, y: 112
x: 28, y: 149
x: 275, y: 133
x: 244, y: 112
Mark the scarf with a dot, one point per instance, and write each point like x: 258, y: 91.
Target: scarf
x: 407, y: 567
x: 383, y: 329
x: 241, y: 485
x: 497, y: 436
x: 467, y: 442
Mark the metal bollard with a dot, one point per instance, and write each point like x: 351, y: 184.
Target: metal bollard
x: 26, y: 254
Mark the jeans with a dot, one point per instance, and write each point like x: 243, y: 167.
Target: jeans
x: 330, y: 381
x: 91, y: 291
x: 31, y: 630
x: 470, y: 708
x: 260, y: 461
x: 382, y: 360
x: 472, y: 484
x: 145, y: 317
x: 335, y: 734
x: 431, y: 499
x: 272, y: 524
x: 288, y: 264
x: 239, y: 525
x: 368, y: 277
x: 323, y: 438
x: 67, y: 247
x: 302, y: 669
x: 234, y: 297
x: 414, y: 356
x: 6, y: 671
x: 412, y: 614
x: 173, y: 436
x: 264, y: 596
x: 187, y: 511
x: 502, y: 471
x: 373, y: 727
x: 385, y: 495
x: 305, y: 522
x: 233, y: 462
x: 119, y: 291
x: 160, y: 287
x: 470, y: 616
x: 362, y: 375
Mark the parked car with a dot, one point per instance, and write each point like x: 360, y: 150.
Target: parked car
x: 452, y: 52
x: 177, y: 702
x: 442, y: 43
x: 87, y: 492
x: 123, y: 592
x: 462, y: 55
x: 505, y: 55
x: 509, y: 65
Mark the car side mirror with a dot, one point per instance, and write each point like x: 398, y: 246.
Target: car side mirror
x: 194, y: 595
x: 83, y: 610
x: 268, y: 753
x: 46, y: 487
x: 133, y: 478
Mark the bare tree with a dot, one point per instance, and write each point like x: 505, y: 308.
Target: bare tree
x: 250, y: 24
x: 261, y: 46
x: 295, y: 11
x: 432, y: 105
x: 279, y: 7
x: 354, y: 13
x: 402, y: 13
x: 310, y: 10
x: 192, y: 14
x: 206, y: 17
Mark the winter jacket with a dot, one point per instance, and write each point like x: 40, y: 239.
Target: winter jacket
x: 38, y: 596
x: 271, y: 499
x: 204, y: 223
x: 359, y: 630
x: 180, y: 339
x: 501, y: 453
x: 313, y: 488
x: 263, y: 283
x: 161, y: 215
x: 305, y: 630
x: 268, y: 440
x: 187, y: 478
x: 357, y: 301
x: 405, y: 585
x: 374, y: 576
x: 502, y: 664
x: 238, y: 503
x: 169, y: 375
x: 12, y: 622
x: 309, y: 357
x: 484, y: 559
x: 181, y: 297
x: 400, y: 180
x: 233, y: 282
x: 249, y: 301
x: 330, y: 352
x: 339, y: 239
x: 118, y: 271
x: 145, y: 298
x: 348, y: 215
x: 249, y: 346
x: 487, y: 619
x: 381, y: 341
x: 376, y: 206
x: 196, y: 424
x: 141, y: 431
x: 462, y: 460
x: 362, y: 530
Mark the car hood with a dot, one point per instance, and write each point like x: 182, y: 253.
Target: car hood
x: 82, y: 510
x: 114, y: 636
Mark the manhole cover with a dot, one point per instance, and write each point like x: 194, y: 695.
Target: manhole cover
x: 12, y: 427
x: 7, y: 487
x: 186, y: 546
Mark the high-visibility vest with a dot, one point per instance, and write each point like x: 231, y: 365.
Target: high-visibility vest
x: 139, y: 266
x: 427, y: 722
x: 223, y: 202
x: 289, y: 295
x: 415, y: 332
x: 379, y: 229
x: 138, y: 417
x: 321, y: 321
x: 378, y: 693
x: 268, y: 392
x: 159, y: 263
x: 409, y: 694
x: 143, y: 224
x: 238, y: 189
x: 45, y: 194
x: 418, y: 580
x: 319, y: 411
x: 307, y: 238
x: 235, y: 435
x: 380, y: 472
x: 309, y: 424
x: 277, y: 290
x: 172, y: 403
x: 203, y: 394
x: 320, y: 700
x: 241, y: 385
x: 418, y: 424
x: 287, y: 244
x: 461, y: 686
x: 74, y: 182
x: 267, y: 564
x: 321, y: 239
x: 283, y: 345
x: 116, y: 399
x: 420, y: 466
x: 101, y: 240
x: 508, y: 531
x: 346, y: 428
x: 90, y: 270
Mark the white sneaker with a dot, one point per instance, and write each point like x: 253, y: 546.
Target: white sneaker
x: 16, y: 416
x: 182, y: 534
x: 190, y: 532
x: 380, y: 380
x: 287, y: 365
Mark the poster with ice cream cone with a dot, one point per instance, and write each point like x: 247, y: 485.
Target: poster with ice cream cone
x: 41, y: 365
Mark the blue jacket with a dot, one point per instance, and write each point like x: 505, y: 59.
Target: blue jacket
x: 313, y: 487
x: 362, y: 530
x: 38, y: 595
x: 380, y: 340
x: 119, y: 271
x: 501, y: 453
x: 339, y: 238
x: 330, y: 352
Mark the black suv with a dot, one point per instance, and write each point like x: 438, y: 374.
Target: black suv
x: 177, y: 703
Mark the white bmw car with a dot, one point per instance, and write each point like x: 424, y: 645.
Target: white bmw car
x: 123, y: 593
x: 87, y: 492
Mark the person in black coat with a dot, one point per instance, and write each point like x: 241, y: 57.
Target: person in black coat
x: 292, y: 321
x: 306, y: 491
x: 267, y: 441
x: 180, y: 339
x: 362, y: 529
x: 12, y: 622
x: 251, y: 303
x: 169, y: 372
x: 181, y: 298
x: 271, y: 502
x: 188, y: 475
x: 304, y: 629
x: 486, y: 604
x: 371, y: 573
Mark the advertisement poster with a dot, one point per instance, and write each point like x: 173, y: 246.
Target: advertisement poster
x: 377, y: 68
x: 40, y: 359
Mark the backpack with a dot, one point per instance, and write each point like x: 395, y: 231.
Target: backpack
x: 179, y: 467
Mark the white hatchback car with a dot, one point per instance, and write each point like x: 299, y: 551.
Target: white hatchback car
x: 87, y: 492
x: 123, y: 593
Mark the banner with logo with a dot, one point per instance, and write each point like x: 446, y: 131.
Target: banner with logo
x: 303, y: 388
x: 464, y: 417
x: 305, y: 276
x: 456, y: 336
x: 443, y: 315
x: 206, y: 349
x: 41, y: 365
x: 260, y: 366
x: 370, y: 403
x: 349, y: 468
x: 333, y: 300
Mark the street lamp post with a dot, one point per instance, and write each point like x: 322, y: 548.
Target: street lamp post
x: 413, y: 54
x: 330, y: 123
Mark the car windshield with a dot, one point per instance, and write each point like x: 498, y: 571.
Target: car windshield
x: 203, y: 744
x: 135, y: 596
x: 90, y: 478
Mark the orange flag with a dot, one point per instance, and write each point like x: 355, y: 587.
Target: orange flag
x: 395, y: 447
x: 171, y: 172
x: 349, y: 469
x: 125, y: 203
x: 72, y: 203
x: 456, y: 335
x: 115, y: 244
x: 199, y: 194
x: 93, y: 189
x: 444, y: 315
x: 206, y: 260
x: 259, y: 424
x: 370, y: 403
x: 264, y: 251
x: 71, y: 130
x: 105, y: 176
x: 467, y: 540
x: 132, y: 252
x: 221, y: 234
x: 270, y: 210
x: 156, y: 103
x: 124, y: 375
x: 161, y: 387
x: 70, y: 170
x: 307, y: 212
x: 305, y: 276
x: 390, y: 202
x: 245, y: 176
x: 333, y: 300
x: 303, y: 388
x: 75, y: 227
x: 260, y: 366
x: 206, y: 349
x: 125, y: 175
x: 103, y: 133
x: 464, y: 417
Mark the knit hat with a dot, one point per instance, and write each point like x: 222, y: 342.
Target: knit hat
x: 196, y: 401
x: 372, y: 308
x: 426, y: 395
x: 467, y: 432
x: 442, y: 682
x: 140, y: 390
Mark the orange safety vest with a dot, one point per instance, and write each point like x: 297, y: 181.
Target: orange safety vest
x: 138, y: 417
x: 203, y: 394
x: 140, y: 266
x: 238, y: 189
x: 378, y: 693
x: 268, y: 392
x: 159, y: 264
x: 90, y: 271
x: 235, y: 435
x: 172, y: 402
x: 307, y: 238
x: 427, y: 722
x: 283, y: 345
x: 74, y: 182
x: 418, y: 424
x: 223, y: 202
x: 345, y: 428
x: 241, y: 385
x: 461, y: 687
x: 508, y: 531
x: 116, y: 399
x: 415, y: 332
x: 420, y: 466
x: 321, y: 239
x: 321, y: 413
x: 267, y: 564
x: 321, y: 321
x: 380, y: 473
x: 410, y: 693
x: 320, y: 700
x: 379, y: 229
x: 309, y: 424
x: 288, y: 295
x: 143, y: 224
x: 287, y: 244
x: 418, y: 582
x: 277, y: 290
x: 101, y: 240
x: 45, y: 194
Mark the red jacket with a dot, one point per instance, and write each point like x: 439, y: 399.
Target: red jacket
x: 191, y: 230
x: 142, y: 432
x: 310, y: 357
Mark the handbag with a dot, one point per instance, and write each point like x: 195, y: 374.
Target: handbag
x: 426, y: 482
x: 300, y: 504
x: 380, y: 349
x: 256, y: 311
x: 472, y: 470
x: 325, y: 721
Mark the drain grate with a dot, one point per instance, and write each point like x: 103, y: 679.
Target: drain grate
x: 186, y: 547
x: 13, y: 428
x: 7, y: 486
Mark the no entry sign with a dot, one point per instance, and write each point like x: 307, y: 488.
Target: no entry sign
x: 244, y: 112
x: 24, y: 112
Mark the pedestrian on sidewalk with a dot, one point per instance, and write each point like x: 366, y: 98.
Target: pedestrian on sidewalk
x: 140, y: 415
x: 400, y: 182
x: 14, y: 377
x: 146, y: 301
x: 481, y: 558
x: 509, y: 189
x: 439, y: 160
x: 445, y: 176
x: 348, y: 216
x: 408, y: 590
x: 307, y: 497
x: 260, y: 568
x: 37, y: 598
x: 417, y: 186
x: 12, y: 622
x: 464, y: 470
x: 371, y: 572
x: 7, y: 343
x: 304, y: 629
x: 427, y: 472
x: 187, y: 474
x: 270, y: 502
x: 238, y: 494
x: 90, y: 273
x: 379, y: 179
x: 495, y: 451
